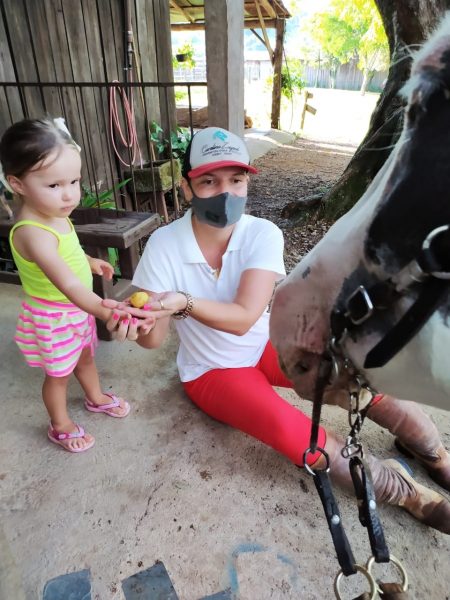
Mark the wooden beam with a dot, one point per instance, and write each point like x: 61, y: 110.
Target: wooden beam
x: 200, y: 25
x: 263, y: 27
x: 277, y: 64
x: 256, y: 34
x: 175, y: 6
x: 269, y: 9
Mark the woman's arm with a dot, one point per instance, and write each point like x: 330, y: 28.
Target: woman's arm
x: 237, y: 317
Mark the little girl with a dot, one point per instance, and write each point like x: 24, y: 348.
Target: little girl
x: 56, y: 327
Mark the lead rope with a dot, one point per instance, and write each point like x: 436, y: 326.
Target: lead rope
x: 365, y: 495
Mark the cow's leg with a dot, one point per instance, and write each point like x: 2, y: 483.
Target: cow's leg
x: 416, y: 434
x: 392, y: 485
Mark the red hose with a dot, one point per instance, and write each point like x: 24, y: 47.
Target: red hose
x: 132, y: 142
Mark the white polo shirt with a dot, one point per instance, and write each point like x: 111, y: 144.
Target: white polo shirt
x: 172, y: 260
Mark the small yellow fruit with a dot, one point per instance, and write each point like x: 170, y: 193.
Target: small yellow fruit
x: 139, y: 299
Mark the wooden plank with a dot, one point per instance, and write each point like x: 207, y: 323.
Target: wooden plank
x: 164, y: 62
x: 10, y: 103
x: 146, y: 57
x: 248, y: 24
x: 44, y: 62
x: 70, y: 97
x: 100, y: 96
x: 24, y: 62
x: 81, y: 68
x: 264, y: 31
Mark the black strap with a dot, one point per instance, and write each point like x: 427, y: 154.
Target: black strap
x: 322, y: 381
x: 367, y: 507
x: 412, y: 321
x: 340, y: 541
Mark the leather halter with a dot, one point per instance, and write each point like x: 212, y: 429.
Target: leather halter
x: 429, y: 273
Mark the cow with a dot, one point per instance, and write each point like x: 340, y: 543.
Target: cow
x: 376, y: 287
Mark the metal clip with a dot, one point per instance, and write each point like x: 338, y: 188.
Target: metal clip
x: 360, y: 294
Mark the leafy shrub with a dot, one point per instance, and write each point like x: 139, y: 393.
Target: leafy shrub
x: 179, y: 139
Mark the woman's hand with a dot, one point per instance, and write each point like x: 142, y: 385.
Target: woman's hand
x: 100, y: 267
x: 167, y: 303
x: 126, y: 322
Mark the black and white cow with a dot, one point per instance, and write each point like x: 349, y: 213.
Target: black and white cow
x: 393, y: 237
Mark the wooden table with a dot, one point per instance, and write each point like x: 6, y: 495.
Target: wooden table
x: 98, y: 230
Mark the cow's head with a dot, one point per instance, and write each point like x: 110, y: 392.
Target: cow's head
x: 381, y: 236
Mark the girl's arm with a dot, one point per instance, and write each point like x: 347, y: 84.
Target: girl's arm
x: 42, y: 248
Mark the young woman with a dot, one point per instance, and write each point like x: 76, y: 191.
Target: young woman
x: 225, y: 265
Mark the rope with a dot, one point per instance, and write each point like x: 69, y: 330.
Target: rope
x: 114, y: 123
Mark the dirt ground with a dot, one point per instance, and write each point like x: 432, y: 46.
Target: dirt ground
x: 304, y: 168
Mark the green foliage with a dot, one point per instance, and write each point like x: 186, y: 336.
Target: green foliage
x: 179, y: 140
x: 180, y: 95
x: 90, y: 198
x: 352, y: 30
x: 291, y: 78
x: 188, y: 62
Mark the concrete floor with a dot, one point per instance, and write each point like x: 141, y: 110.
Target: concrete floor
x: 227, y: 516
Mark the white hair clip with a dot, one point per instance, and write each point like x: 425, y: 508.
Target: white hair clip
x: 4, y: 181
x: 60, y: 123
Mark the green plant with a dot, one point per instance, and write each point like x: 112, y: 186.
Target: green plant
x: 291, y: 78
x: 179, y: 140
x: 180, y: 95
x: 91, y: 199
x: 187, y: 52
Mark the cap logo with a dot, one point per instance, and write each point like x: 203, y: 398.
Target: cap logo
x: 221, y: 135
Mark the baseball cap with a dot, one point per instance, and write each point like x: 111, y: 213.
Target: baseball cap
x: 214, y: 148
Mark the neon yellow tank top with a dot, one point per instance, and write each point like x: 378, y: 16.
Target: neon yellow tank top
x: 34, y: 281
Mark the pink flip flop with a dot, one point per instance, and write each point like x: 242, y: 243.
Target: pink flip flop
x: 106, y: 408
x: 58, y: 438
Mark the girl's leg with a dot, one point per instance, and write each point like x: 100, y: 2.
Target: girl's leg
x: 87, y: 374
x: 245, y: 399
x: 54, y: 394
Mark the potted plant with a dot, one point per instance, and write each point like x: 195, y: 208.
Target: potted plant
x: 156, y: 176
x: 184, y: 57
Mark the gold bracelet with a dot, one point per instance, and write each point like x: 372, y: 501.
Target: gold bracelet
x: 183, y: 314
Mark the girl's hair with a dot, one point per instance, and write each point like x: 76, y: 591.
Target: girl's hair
x: 29, y: 142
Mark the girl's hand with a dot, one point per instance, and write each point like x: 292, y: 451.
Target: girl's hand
x: 126, y: 322
x: 101, y: 267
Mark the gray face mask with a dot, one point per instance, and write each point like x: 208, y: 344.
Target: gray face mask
x: 219, y: 211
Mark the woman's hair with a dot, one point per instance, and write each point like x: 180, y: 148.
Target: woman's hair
x: 29, y: 142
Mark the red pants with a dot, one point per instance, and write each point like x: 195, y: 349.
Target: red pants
x: 245, y: 399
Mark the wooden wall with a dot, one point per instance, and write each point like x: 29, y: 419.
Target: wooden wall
x: 83, y: 41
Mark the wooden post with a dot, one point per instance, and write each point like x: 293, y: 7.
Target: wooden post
x: 164, y: 62
x: 224, y: 40
x: 306, y: 107
x: 277, y: 64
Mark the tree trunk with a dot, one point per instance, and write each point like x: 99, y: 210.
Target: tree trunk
x: 407, y: 24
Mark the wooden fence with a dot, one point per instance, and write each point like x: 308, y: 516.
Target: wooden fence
x: 70, y: 51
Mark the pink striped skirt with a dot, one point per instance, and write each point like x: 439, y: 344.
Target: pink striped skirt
x: 52, y: 335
